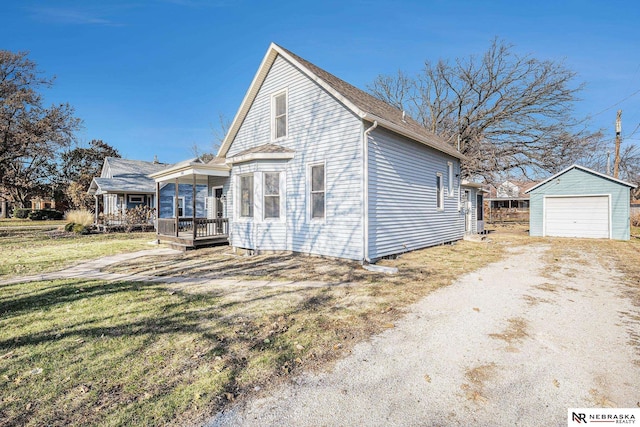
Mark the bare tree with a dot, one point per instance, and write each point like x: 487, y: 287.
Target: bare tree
x: 504, y: 111
x: 31, y: 136
x: 219, y: 133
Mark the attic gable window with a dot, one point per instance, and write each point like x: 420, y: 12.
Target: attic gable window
x: 279, y: 115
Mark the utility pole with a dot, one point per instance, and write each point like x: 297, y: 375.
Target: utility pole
x: 616, y: 162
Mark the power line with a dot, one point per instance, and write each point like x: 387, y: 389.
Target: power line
x: 616, y: 104
x: 633, y: 133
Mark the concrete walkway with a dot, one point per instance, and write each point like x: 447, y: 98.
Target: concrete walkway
x: 93, y: 270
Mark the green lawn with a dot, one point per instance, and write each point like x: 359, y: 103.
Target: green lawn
x: 80, y: 352
x: 87, y: 352
x: 15, y: 222
x: 34, y: 251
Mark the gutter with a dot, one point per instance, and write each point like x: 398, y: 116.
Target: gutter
x: 365, y: 192
x: 402, y: 131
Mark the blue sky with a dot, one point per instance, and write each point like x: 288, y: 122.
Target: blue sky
x: 152, y: 77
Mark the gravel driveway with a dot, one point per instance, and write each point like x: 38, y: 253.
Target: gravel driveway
x: 511, y: 344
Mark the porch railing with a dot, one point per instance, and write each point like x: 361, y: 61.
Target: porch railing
x: 193, y: 227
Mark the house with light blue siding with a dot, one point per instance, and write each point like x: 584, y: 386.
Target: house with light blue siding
x: 314, y: 165
x: 125, y: 184
x: 580, y: 202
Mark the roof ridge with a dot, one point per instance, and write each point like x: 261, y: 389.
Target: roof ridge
x: 370, y: 104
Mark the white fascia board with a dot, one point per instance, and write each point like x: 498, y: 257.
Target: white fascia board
x: 270, y: 57
x: 94, y: 188
x: 248, y: 99
x: 412, y: 135
x: 166, y: 175
x: 472, y: 184
x: 575, y: 166
x: 259, y: 156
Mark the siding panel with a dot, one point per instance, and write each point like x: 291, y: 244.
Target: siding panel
x: 402, y: 196
x: 320, y: 129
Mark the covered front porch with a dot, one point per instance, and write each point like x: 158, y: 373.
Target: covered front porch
x: 190, y: 210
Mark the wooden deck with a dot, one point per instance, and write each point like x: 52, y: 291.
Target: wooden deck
x: 193, y: 233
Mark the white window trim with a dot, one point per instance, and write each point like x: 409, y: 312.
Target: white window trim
x: 213, y: 200
x: 450, y: 189
x: 136, y: 198
x: 173, y: 206
x: 439, y: 197
x: 284, y: 91
x: 239, y: 197
x: 308, y: 191
x: 281, y: 195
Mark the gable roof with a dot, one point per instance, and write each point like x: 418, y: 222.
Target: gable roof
x: 194, y: 168
x: 127, y: 176
x: 364, y: 105
x: 125, y: 167
x: 601, y: 175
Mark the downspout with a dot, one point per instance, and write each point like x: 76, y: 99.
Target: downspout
x: 365, y: 192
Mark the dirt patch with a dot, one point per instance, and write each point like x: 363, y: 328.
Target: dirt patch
x: 515, y: 331
x: 477, y: 377
x: 548, y: 287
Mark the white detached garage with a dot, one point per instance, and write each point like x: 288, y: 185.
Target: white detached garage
x: 580, y: 202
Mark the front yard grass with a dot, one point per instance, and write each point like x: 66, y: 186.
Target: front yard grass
x: 34, y: 251
x: 87, y: 352
x: 79, y: 352
x: 25, y: 223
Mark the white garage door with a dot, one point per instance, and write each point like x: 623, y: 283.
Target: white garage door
x: 577, y: 216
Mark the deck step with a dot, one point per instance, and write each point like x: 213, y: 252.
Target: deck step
x: 180, y: 246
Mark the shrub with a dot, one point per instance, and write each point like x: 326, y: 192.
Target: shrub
x: 21, y: 213
x: 83, y: 217
x: 43, y: 214
x: 69, y: 227
x: 80, y: 229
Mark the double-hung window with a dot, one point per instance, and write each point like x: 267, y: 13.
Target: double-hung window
x: 317, y: 191
x: 279, y: 115
x: 439, y: 192
x: 246, y: 196
x: 271, y: 194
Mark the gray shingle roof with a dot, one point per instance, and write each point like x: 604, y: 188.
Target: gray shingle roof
x: 128, y: 176
x: 370, y: 104
x: 125, y: 167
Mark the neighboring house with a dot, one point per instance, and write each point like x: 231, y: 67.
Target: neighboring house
x: 580, y: 202
x: 125, y: 184
x: 509, y: 201
x: 311, y: 164
x: 42, y: 203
